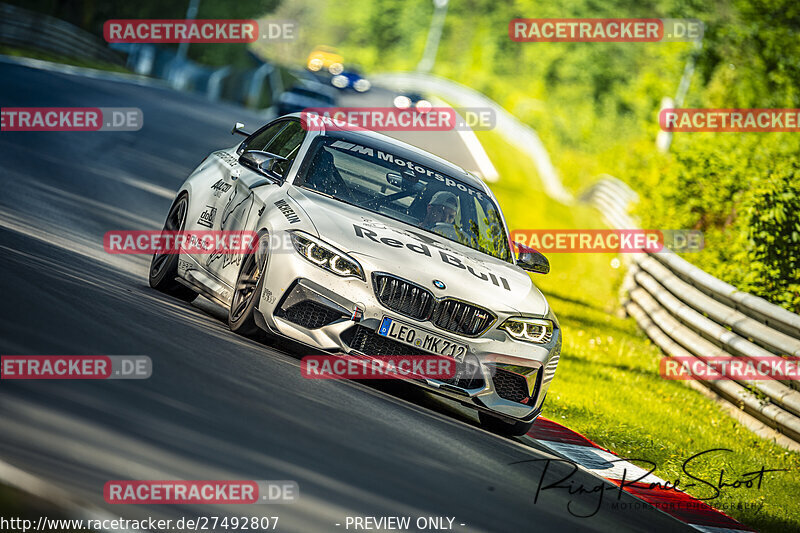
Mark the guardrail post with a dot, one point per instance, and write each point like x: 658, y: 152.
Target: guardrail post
x: 256, y: 84
x: 215, y: 82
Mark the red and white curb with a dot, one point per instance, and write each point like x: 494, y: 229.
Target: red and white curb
x: 580, y: 450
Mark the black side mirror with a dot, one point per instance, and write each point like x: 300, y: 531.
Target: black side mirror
x: 265, y: 163
x: 532, y: 260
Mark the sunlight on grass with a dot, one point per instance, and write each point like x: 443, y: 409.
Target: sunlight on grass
x: 607, y: 386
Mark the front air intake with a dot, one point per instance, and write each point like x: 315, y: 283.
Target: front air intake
x: 461, y: 317
x: 404, y: 297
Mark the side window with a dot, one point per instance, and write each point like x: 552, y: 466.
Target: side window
x: 286, y: 143
x: 259, y: 141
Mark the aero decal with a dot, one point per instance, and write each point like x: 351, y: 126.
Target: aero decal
x: 423, y: 249
x: 389, y: 158
x: 287, y: 211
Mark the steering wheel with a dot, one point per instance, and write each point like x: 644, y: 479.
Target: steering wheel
x: 445, y: 229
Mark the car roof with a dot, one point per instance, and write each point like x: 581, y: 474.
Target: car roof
x: 407, y: 151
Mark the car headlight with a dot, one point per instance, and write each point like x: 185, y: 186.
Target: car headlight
x: 402, y: 101
x: 362, y: 85
x: 340, y: 81
x: 423, y: 106
x: 536, y: 330
x: 326, y: 256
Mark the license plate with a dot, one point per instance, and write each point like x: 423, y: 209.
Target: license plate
x: 422, y: 339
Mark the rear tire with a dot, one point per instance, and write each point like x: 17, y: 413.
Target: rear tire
x: 164, y: 267
x: 501, y: 427
x: 247, y: 292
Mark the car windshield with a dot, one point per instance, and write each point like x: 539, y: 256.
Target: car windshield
x: 380, y: 182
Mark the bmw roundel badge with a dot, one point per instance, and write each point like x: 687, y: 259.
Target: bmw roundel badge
x: 439, y: 284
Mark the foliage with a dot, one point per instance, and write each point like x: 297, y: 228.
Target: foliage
x: 742, y: 192
x: 595, y: 106
x: 660, y: 420
x: 91, y: 16
x: 772, y: 247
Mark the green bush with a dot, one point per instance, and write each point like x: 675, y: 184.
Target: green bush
x: 743, y: 192
x: 595, y: 106
x: 772, y: 245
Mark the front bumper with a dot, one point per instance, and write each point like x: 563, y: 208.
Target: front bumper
x: 312, y: 306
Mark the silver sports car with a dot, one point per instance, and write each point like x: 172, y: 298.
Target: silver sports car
x: 370, y: 246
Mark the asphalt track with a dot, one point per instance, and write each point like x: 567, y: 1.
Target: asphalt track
x: 217, y: 406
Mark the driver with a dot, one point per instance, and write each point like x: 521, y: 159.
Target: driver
x: 441, y: 210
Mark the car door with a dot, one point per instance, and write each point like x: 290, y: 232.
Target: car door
x: 229, y: 205
x: 236, y: 210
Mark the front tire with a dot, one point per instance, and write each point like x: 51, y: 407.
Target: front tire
x: 164, y: 267
x: 247, y: 292
x: 501, y: 427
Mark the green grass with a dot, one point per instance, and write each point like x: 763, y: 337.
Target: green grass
x: 607, y: 386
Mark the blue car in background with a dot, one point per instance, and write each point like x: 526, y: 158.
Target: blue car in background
x: 305, y: 94
x: 351, y: 78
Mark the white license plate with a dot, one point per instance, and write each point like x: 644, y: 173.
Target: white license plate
x: 420, y: 338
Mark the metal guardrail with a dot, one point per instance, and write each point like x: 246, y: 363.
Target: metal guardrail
x: 689, y: 313
x: 23, y: 28
x: 257, y: 87
x: 684, y: 310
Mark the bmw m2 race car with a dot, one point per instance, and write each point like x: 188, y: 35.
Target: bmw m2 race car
x: 368, y: 246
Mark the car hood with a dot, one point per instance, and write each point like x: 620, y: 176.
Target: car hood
x: 382, y: 244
